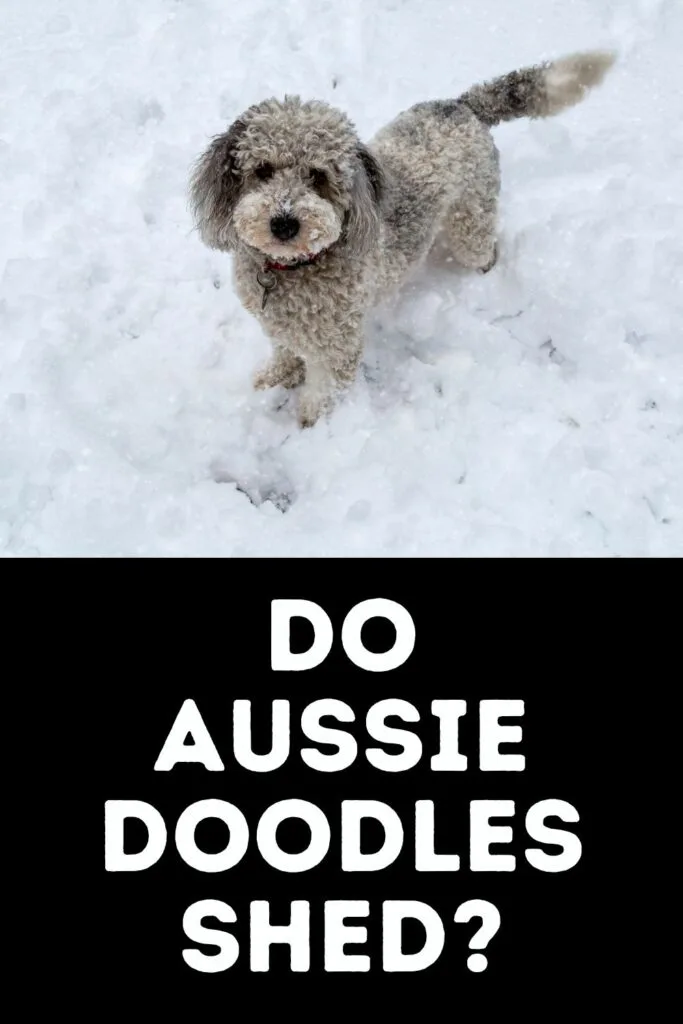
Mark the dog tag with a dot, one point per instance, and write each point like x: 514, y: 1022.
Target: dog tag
x: 267, y: 280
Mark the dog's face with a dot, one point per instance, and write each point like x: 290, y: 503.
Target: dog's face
x: 289, y: 180
x: 289, y: 210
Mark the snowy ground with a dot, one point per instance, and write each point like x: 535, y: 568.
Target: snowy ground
x: 534, y: 411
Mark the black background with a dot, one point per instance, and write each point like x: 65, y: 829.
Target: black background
x: 565, y: 939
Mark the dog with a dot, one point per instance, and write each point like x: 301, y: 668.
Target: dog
x: 323, y: 226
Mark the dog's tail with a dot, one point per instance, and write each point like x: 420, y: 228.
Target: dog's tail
x: 539, y: 91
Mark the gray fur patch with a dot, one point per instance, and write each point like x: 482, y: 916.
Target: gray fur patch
x: 517, y: 94
x: 453, y: 110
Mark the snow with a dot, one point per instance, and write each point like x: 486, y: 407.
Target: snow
x: 535, y: 411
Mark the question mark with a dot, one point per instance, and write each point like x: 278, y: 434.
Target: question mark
x: 490, y: 923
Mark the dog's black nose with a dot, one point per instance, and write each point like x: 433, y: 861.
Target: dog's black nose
x: 284, y: 228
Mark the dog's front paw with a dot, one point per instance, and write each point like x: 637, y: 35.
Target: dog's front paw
x: 308, y: 415
x: 491, y: 263
x: 310, y: 410
x: 287, y: 373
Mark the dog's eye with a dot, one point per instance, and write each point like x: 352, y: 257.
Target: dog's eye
x: 319, y: 178
x: 264, y: 171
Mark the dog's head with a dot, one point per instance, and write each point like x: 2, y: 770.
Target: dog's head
x: 288, y: 179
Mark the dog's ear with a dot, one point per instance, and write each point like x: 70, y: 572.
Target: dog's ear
x: 373, y: 171
x: 363, y: 223
x: 214, y: 189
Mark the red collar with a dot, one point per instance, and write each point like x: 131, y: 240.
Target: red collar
x: 306, y: 261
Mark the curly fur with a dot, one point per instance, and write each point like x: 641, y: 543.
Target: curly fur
x: 363, y: 214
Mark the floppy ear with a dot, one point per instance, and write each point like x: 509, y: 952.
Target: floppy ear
x: 363, y: 223
x: 214, y: 188
x: 373, y: 171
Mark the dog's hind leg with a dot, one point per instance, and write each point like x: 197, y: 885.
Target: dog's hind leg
x: 470, y: 228
x: 470, y: 223
x: 284, y: 369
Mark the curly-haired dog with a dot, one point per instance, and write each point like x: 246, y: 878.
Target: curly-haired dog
x: 323, y: 225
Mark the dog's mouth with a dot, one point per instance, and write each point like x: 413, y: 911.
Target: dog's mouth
x: 305, y: 260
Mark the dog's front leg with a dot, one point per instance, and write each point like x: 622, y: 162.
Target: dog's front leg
x: 284, y: 368
x: 330, y: 370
